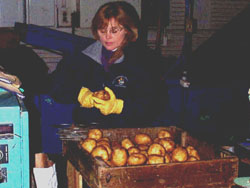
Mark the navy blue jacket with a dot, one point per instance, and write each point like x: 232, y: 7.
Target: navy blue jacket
x: 134, y: 78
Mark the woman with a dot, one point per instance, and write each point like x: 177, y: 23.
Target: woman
x: 117, y: 63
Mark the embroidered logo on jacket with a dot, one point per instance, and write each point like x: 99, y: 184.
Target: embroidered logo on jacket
x: 120, y: 81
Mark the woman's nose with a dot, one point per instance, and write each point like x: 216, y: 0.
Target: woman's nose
x: 108, y: 35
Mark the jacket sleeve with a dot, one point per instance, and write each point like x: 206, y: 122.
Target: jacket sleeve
x: 66, y: 80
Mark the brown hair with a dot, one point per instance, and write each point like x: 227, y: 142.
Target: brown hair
x: 125, y: 14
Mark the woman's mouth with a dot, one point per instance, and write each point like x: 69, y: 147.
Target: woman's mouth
x: 109, y: 43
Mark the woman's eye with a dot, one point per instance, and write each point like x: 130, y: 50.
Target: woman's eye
x: 103, y: 31
x: 114, y: 30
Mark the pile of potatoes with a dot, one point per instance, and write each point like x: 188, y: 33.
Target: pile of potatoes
x: 139, y: 151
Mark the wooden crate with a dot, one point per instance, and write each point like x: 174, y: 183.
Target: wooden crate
x: 216, y: 168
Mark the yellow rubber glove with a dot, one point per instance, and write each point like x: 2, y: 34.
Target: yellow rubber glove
x: 111, y: 106
x: 85, y: 98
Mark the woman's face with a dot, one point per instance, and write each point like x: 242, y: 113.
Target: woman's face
x: 112, y: 36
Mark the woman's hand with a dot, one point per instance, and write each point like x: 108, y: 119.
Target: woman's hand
x: 111, y: 106
x: 85, y: 98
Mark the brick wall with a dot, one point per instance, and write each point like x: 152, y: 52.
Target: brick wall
x: 211, y: 15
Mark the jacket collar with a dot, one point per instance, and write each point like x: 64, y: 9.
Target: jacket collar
x: 94, y: 51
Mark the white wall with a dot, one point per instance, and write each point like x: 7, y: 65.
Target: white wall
x: 41, y: 12
x: 11, y: 11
